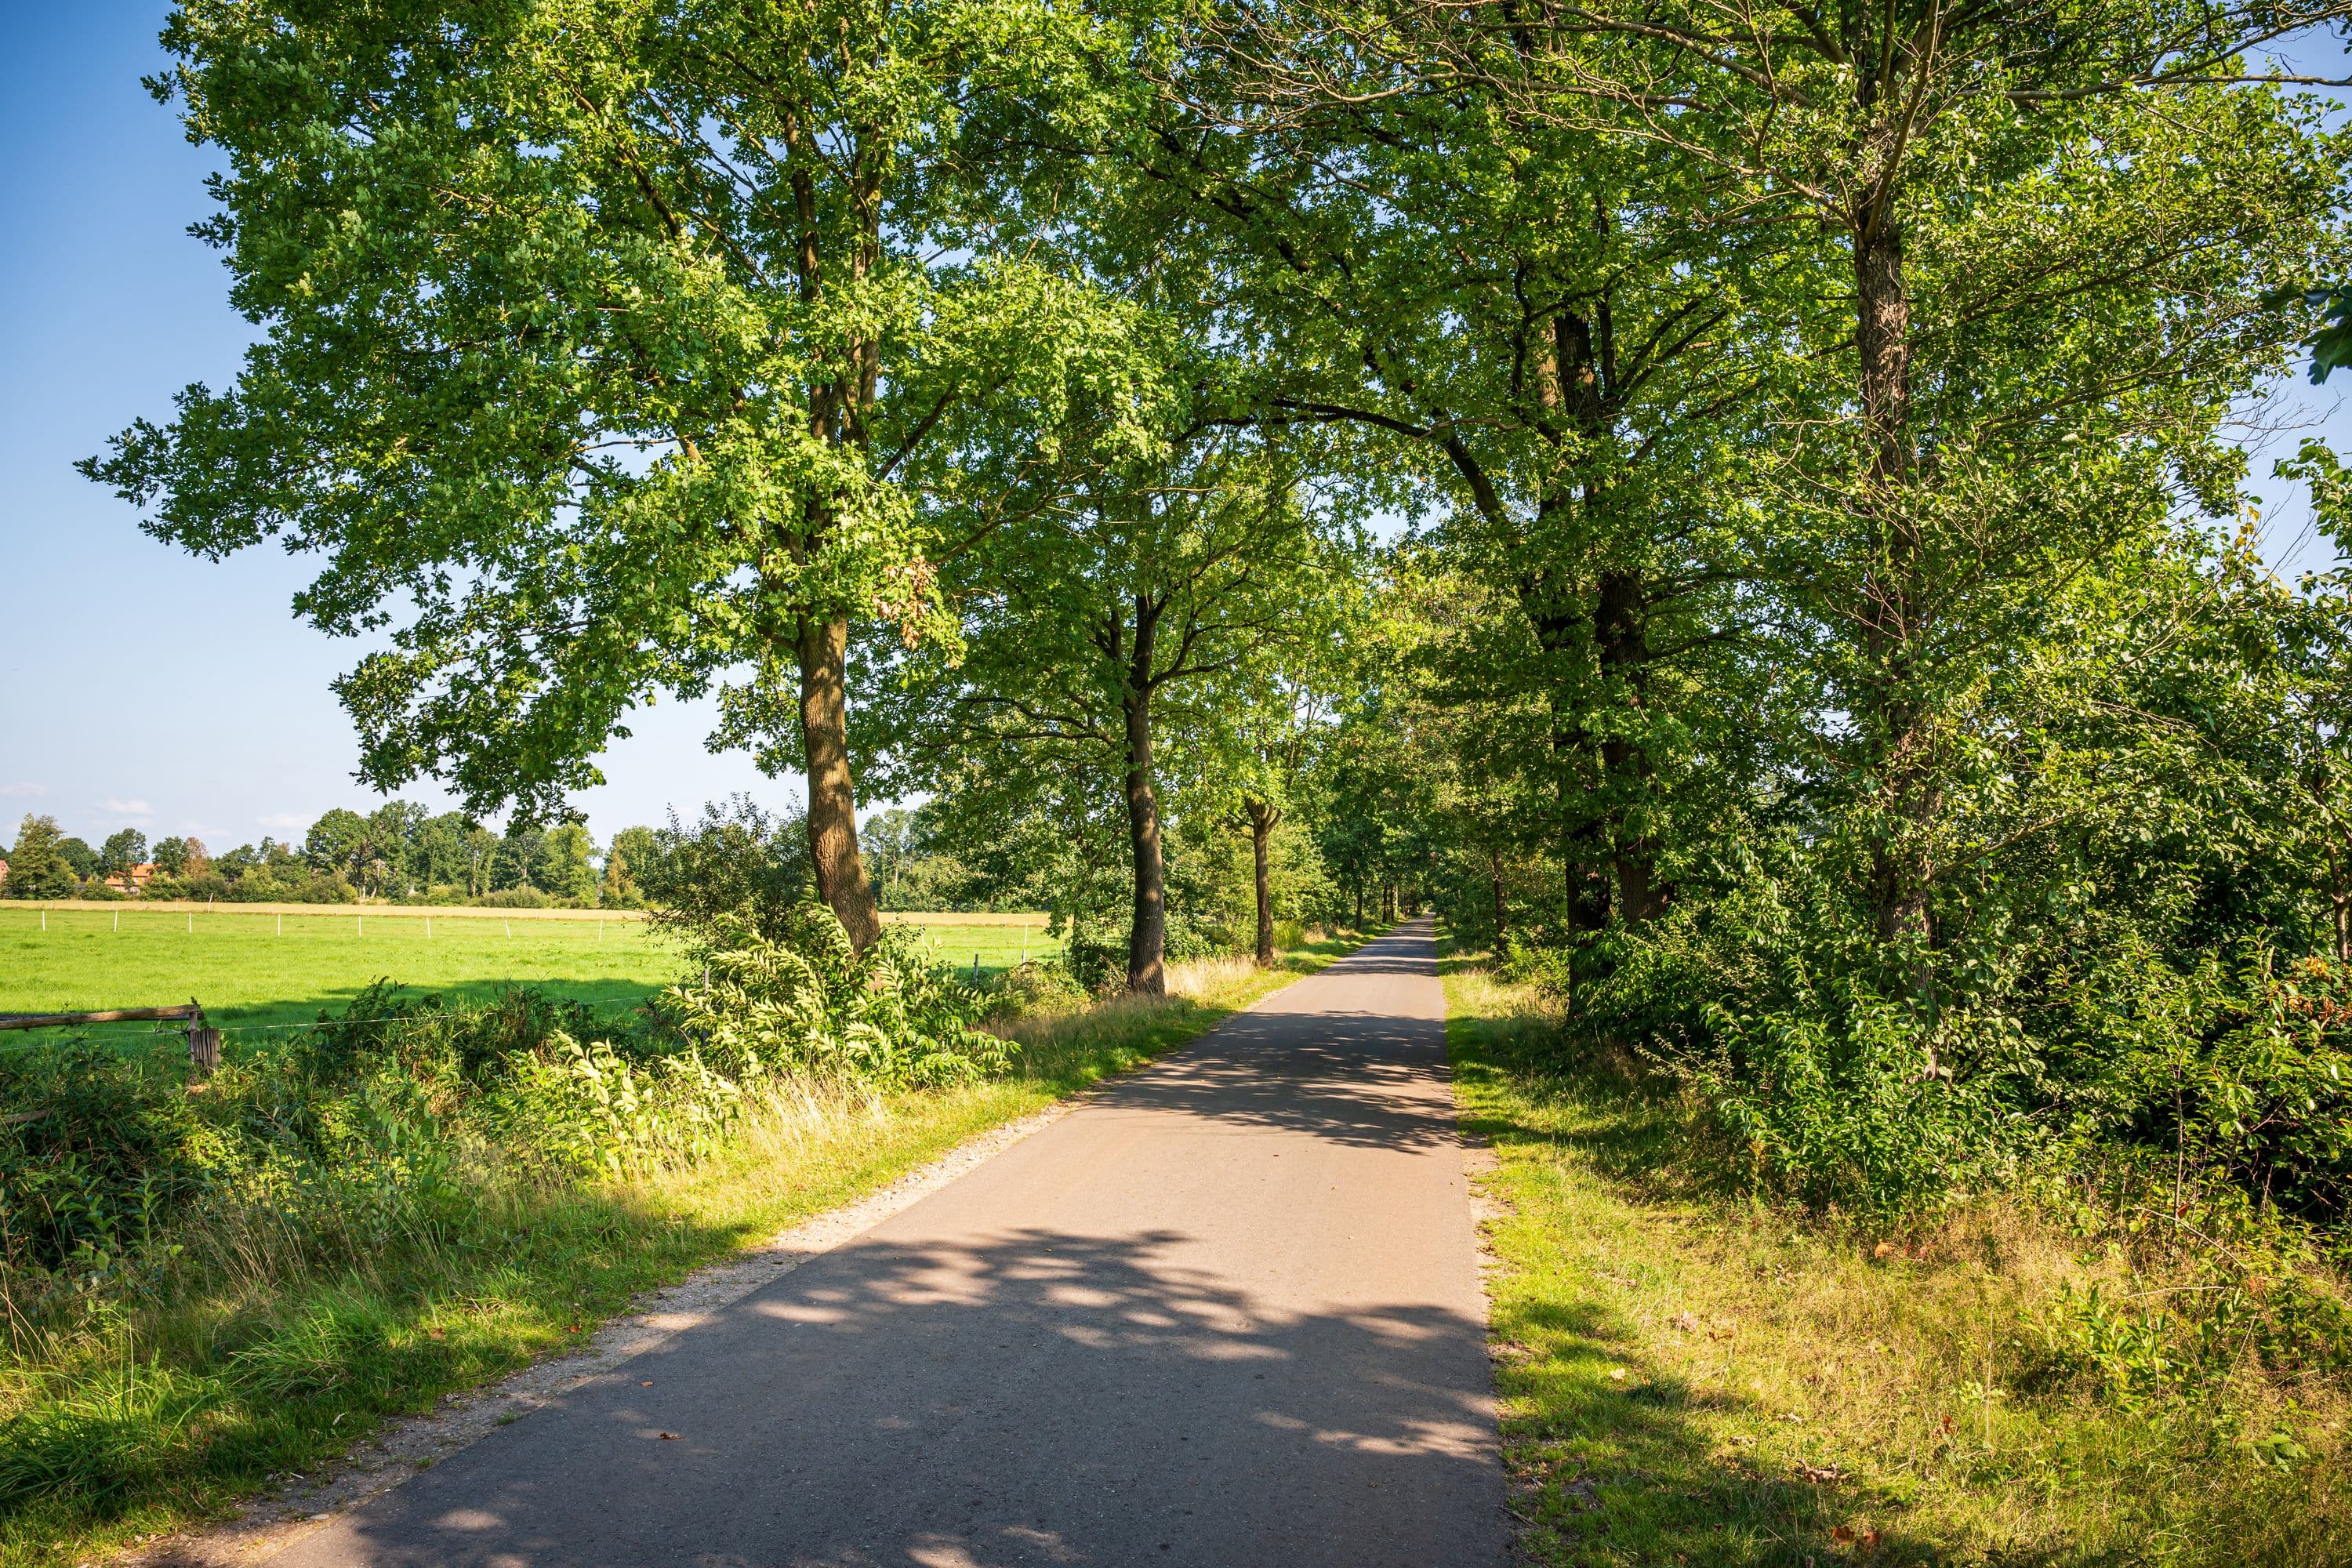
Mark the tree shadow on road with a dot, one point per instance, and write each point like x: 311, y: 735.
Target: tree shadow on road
x: 1035, y: 1396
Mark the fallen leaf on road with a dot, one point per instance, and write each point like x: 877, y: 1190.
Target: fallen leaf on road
x: 669, y: 1437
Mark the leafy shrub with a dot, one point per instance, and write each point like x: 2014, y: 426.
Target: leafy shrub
x: 1094, y: 957
x: 1190, y: 938
x: 1032, y: 988
x: 1846, y: 1101
x: 98, y: 1154
x: 805, y: 998
x: 426, y: 1036
x: 739, y: 862
x: 577, y: 1110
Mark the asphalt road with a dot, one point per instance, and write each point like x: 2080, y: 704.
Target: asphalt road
x: 1227, y: 1314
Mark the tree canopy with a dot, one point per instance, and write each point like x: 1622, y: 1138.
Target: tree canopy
x: 1743, y: 510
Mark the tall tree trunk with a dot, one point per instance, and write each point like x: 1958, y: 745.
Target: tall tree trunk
x: 823, y: 648
x: 1146, y: 934
x: 1621, y: 639
x: 1891, y: 600
x: 1261, y: 820
x: 1147, y: 938
x: 1584, y: 874
x: 1360, y: 903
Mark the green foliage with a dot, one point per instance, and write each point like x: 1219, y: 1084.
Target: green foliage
x: 2331, y: 344
x: 80, y: 858
x: 37, y: 866
x: 95, y: 1159
x: 124, y: 849
x: 738, y: 862
x: 797, y: 995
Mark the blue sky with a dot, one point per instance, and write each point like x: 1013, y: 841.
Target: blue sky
x: 141, y: 688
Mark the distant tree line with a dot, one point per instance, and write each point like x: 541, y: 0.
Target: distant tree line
x: 399, y: 852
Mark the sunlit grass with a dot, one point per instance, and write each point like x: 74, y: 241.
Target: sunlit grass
x: 1690, y: 1377
x: 261, y: 1349
x: 263, y: 973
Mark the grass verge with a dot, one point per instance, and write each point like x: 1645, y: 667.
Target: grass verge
x: 157, y: 1412
x: 1690, y: 1377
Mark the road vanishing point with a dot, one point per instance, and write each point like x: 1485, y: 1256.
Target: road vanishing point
x: 1226, y: 1313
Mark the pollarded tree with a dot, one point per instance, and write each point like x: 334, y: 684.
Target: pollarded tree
x: 605, y: 335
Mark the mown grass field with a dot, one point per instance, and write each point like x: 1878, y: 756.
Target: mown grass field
x: 261, y: 973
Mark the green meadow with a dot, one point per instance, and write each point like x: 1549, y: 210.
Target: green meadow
x: 259, y: 973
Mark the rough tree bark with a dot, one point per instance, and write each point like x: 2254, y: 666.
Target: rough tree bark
x: 1907, y: 796
x: 1261, y: 820
x: 1147, y: 938
x: 1620, y: 633
x: 822, y: 647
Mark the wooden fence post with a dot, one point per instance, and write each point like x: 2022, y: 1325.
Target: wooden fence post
x: 203, y: 1052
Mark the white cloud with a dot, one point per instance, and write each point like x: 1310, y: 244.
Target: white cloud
x: 139, y: 808
x: 23, y: 791
x: 283, y: 819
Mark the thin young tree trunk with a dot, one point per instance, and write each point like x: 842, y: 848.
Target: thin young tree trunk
x: 823, y: 647
x: 1147, y: 938
x: 1261, y: 820
x: 1502, y: 909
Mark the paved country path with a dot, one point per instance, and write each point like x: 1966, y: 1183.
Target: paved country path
x: 1226, y: 1314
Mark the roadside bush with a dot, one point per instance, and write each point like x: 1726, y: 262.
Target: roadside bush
x: 1844, y: 1102
x: 1033, y: 989
x: 805, y: 999
x: 1094, y: 957
x: 98, y: 1153
x: 581, y: 1111
x: 739, y: 862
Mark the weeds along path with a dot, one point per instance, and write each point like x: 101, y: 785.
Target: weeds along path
x: 1227, y: 1313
